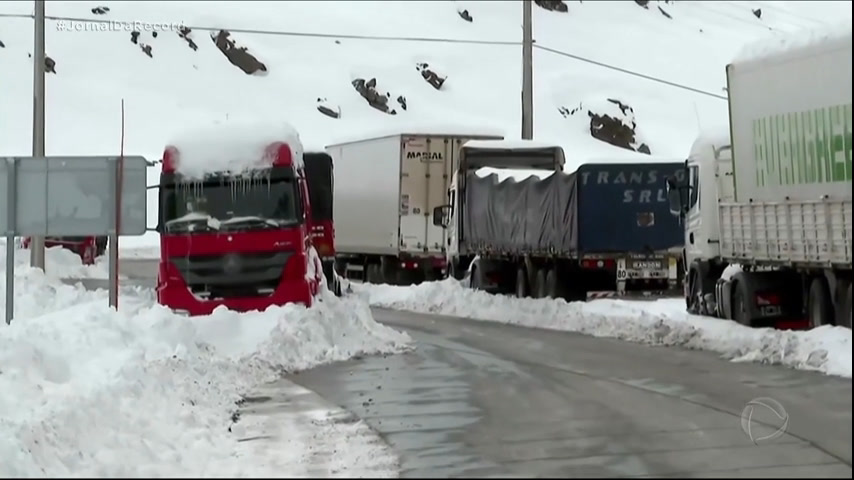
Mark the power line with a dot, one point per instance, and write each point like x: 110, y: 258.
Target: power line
x: 632, y: 73
x: 284, y: 33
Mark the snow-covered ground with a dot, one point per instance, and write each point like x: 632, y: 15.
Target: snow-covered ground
x: 87, y: 391
x: 312, y: 52
x: 664, y: 322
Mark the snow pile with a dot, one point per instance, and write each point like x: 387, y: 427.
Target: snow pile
x: 232, y: 148
x: 144, y: 392
x: 663, y: 322
x: 834, y: 34
x: 61, y: 262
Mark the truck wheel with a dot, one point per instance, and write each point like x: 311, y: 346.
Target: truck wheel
x: 552, y: 287
x: 739, y: 305
x: 846, y: 309
x: 819, y: 305
x: 521, y: 283
x: 372, y: 273
x: 540, y: 284
x: 476, y: 282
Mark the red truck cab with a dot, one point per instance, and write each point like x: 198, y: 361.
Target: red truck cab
x: 242, y: 241
x: 87, y: 248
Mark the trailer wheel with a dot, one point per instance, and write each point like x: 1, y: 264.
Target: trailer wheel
x: 819, y: 305
x: 739, y: 305
x: 476, y: 281
x: 521, y: 283
x: 552, y: 287
x: 539, y: 284
x: 846, y: 309
x: 372, y: 273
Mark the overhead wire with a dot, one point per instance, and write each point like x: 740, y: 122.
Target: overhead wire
x: 392, y: 38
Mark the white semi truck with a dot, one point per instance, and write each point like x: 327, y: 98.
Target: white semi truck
x: 767, y: 213
x: 386, y: 188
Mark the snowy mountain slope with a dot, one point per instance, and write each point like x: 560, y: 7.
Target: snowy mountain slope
x: 178, y: 86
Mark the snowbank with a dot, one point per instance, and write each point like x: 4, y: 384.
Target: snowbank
x: 235, y: 148
x: 144, y: 392
x: 663, y: 322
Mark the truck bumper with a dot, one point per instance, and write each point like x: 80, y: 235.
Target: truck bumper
x: 175, y: 295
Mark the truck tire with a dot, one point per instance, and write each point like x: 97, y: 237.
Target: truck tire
x: 552, y: 287
x: 372, y: 273
x: 740, y: 312
x: 819, y: 306
x: 476, y: 282
x: 521, y: 283
x: 846, y: 308
x: 540, y: 284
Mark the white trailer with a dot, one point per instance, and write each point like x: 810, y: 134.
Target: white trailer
x: 768, y: 210
x: 386, y: 188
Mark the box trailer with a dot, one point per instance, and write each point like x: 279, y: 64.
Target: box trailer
x: 385, y: 191
x: 603, y: 230
x: 768, y: 209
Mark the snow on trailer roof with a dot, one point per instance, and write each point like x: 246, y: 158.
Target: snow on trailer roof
x: 796, y: 44
x: 234, y: 148
x: 510, y: 145
x: 419, y: 128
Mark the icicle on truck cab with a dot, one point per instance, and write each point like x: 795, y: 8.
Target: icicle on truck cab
x: 235, y: 222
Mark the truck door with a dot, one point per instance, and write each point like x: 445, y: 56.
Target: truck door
x: 417, y: 165
x: 441, y: 170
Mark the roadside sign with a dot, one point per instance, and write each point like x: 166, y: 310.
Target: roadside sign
x: 71, y: 196
x: 74, y: 196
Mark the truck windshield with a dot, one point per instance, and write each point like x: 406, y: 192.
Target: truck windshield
x: 229, y: 205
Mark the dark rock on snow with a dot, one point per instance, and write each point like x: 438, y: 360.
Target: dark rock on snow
x: 100, y: 10
x: 238, y: 56
x: 643, y: 3
x: 146, y: 49
x: 552, y: 5
x: 664, y: 13
x: 758, y: 13
x: 323, y: 108
x: 184, y: 33
x: 49, y: 65
x: 430, y: 76
x: 368, y: 91
x: 465, y: 15
x: 134, y: 37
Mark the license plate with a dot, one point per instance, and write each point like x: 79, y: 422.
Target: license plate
x: 647, y: 265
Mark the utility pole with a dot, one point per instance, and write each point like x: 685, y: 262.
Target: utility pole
x: 37, y: 243
x: 527, y: 71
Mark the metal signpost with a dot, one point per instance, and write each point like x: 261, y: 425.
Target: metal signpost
x: 71, y: 196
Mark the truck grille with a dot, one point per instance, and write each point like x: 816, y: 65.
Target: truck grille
x: 232, y: 274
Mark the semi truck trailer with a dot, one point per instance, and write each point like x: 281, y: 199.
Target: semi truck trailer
x: 386, y: 188
x: 767, y: 211
x: 604, y: 230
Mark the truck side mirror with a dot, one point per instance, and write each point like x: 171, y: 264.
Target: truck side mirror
x: 674, y: 196
x: 440, y: 215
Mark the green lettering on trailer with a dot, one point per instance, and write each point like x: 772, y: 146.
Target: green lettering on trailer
x: 798, y: 148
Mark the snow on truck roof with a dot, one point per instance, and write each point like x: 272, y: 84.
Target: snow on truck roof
x: 510, y: 144
x: 797, y: 43
x: 232, y: 148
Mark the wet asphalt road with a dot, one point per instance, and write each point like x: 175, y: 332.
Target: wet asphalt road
x: 482, y: 399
